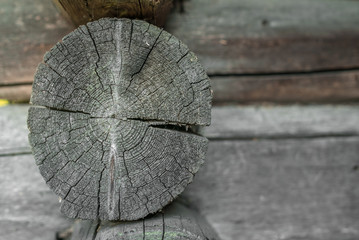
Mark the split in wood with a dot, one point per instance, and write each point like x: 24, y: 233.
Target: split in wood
x: 110, y: 131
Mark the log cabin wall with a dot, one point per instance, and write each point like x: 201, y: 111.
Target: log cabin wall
x: 254, y: 51
x: 284, y: 141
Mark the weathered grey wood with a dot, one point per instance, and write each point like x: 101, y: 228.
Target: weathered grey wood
x: 321, y: 87
x: 294, y: 188
x: 229, y: 36
x: 293, y: 121
x: 256, y: 36
x: 112, y: 140
x: 13, y: 130
x: 280, y: 189
x: 229, y: 122
x: 175, y: 222
x: 28, y: 209
x: 83, y: 11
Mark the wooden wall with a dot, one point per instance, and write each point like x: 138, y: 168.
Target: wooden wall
x: 254, y: 50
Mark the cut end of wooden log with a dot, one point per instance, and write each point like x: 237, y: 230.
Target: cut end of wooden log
x: 80, y: 12
x: 176, y: 222
x: 111, y: 132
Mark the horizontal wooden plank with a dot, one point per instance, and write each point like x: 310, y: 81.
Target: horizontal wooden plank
x: 247, y: 190
x: 234, y: 122
x: 299, y: 188
x: 256, y: 36
x: 230, y: 38
x: 17, y: 93
x: 27, y: 32
x: 29, y: 210
x: 283, y: 121
x: 323, y: 87
x: 280, y: 189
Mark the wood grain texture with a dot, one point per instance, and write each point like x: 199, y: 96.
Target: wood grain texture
x: 175, y: 222
x: 255, y: 36
x: 112, y: 140
x: 28, y: 208
x: 280, y: 189
x: 293, y: 121
x: 81, y: 12
x: 321, y: 87
x: 228, y: 122
x: 230, y: 37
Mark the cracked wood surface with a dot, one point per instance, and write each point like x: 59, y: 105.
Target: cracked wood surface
x: 108, y: 137
x: 278, y: 186
x: 175, y: 222
x: 230, y: 122
x: 234, y: 40
x: 81, y: 12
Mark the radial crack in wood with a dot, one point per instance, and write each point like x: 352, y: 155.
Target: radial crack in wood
x: 113, y: 132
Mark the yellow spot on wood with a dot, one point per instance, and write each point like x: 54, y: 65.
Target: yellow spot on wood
x: 3, y: 102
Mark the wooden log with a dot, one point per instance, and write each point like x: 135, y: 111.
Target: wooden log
x: 112, y: 138
x: 280, y: 188
x: 175, y: 222
x: 320, y: 87
x: 80, y: 12
x: 253, y: 36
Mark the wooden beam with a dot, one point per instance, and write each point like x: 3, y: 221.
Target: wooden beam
x: 80, y: 12
x: 276, y: 122
x: 280, y: 188
x: 252, y: 36
x: 296, y: 179
x: 323, y: 87
x: 175, y: 222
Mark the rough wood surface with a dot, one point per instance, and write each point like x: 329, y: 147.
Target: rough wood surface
x: 230, y: 37
x: 112, y: 141
x: 81, y: 12
x: 287, y: 186
x: 175, y: 222
x: 230, y: 122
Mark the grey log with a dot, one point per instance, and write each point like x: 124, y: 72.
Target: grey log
x: 110, y: 132
x: 175, y: 222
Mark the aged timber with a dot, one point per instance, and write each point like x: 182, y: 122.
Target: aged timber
x: 175, y: 222
x: 116, y: 102
x: 83, y: 11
